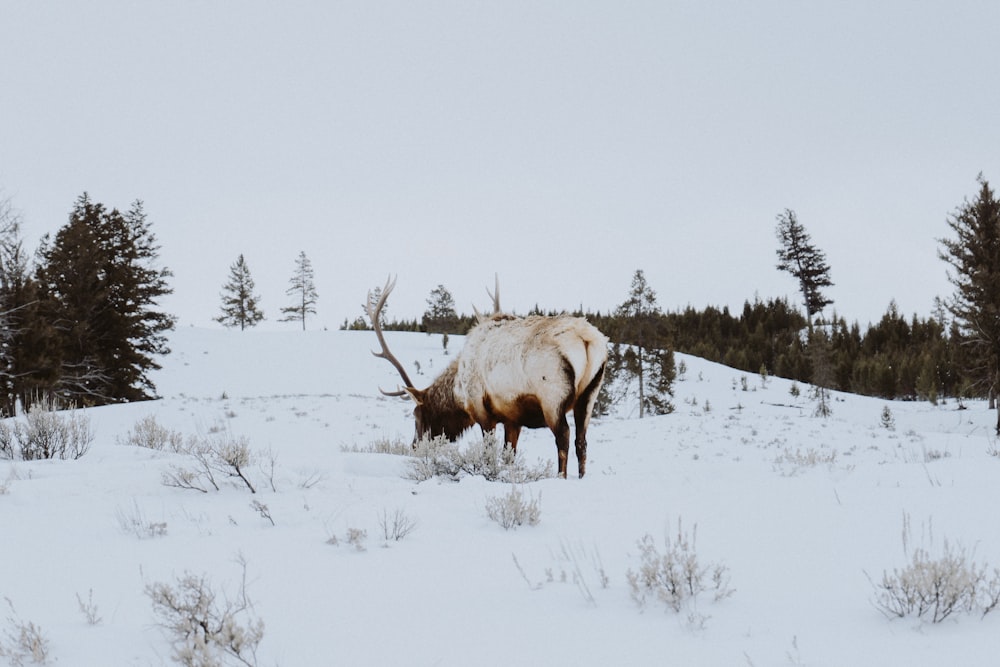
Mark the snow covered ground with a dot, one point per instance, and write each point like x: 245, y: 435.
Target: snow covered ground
x: 801, y: 510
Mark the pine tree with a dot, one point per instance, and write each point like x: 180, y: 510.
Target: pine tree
x: 30, y: 341
x: 18, y: 300
x: 10, y: 226
x: 239, y: 303
x: 974, y: 255
x: 138, y: 285
x: 799, y: 257
x: 303, y: 288
x: 822, y: 372
x: 649, y: 360
x: 373, y: 298
x: 440, y: 316
x: 98, y: 288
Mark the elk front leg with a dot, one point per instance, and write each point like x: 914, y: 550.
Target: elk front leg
x: 511, y: 433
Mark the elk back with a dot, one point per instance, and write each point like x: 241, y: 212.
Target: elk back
x: 527, y: 370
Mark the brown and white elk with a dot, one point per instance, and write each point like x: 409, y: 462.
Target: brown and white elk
x: 515, y: 371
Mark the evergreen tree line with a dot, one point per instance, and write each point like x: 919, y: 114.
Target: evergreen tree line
x: 955, y: 352
x: 80, y: 320
x: 896, y: 357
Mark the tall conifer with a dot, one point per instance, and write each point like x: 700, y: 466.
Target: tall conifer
x: 99, y: 285
x: 799, y: 257
x: 648, y: 358
x: 239, y: 303
x: 974, y: 256
x: 303, y: 287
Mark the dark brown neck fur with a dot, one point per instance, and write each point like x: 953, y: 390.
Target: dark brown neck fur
x: 441, y: 412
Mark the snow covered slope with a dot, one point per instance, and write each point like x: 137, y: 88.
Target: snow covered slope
x: 797, y: 508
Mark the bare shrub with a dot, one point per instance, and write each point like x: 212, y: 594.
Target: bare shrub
x: 513, y: 510
x: 676, y: 577
x: 204, y: 629
x: 186, y: 478
x: 381, y: 446
x: 496, y: 461
x: 148, y: 433
x: 232, y: 457
x: 936, y: 587
x: 262, y: 510
x: 354, y: 537
x: 12, y: 475
x: 791, y: 462
x: 134, y: 522
x: 7, y: 441
x: 567, y: 568
x: 45, y: 433
x: 488, y: 458
x: 434, y: 457
x: 311, y: 479
x: 269, y: 466
x: 222, y: 455
x: 395, y: 525
x: 931, y: 455
x: 89, y: 609
x: 199, y: 478
x: 23, y: 641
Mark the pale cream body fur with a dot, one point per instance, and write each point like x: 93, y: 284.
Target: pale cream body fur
x: 509, y: 365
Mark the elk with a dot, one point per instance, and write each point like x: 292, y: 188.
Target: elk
x: 515, y: 371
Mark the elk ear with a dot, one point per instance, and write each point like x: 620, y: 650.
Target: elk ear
x: 416, y: 394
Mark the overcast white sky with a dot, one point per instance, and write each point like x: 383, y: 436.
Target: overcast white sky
x: 561, y: 144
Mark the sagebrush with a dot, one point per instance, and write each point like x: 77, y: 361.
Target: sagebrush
x: 935, y: 587
x: 46, y: 433
x: 488, y: 457
x: 148, y: 433
x: 513, y: 509
x: 676, y: 577
x: 207, y: 630
x: 23, y: 641
x: 215, y: 458
x: 395, y: 525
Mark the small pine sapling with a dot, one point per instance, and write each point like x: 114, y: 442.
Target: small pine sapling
x: 888, y: 421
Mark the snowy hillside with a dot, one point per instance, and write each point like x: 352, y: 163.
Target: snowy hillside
x: 797, y: 508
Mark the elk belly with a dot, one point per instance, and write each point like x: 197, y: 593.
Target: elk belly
x: 529, y: 412
x: 525, y: 410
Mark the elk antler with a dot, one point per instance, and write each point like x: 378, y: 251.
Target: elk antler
x: 375, y: 314
x: 494, y: 296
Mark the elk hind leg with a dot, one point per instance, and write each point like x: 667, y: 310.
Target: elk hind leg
x: 561, y: 432
x: 581, y: 416
x: 581, y: 420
